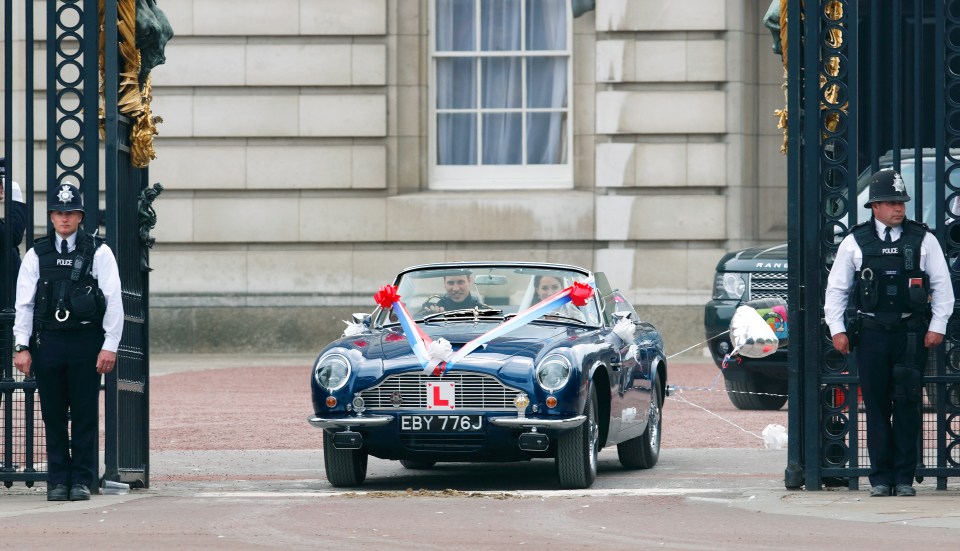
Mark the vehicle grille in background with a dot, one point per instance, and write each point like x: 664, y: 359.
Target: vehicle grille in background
x: 472, y: 391
x: 768, y: 285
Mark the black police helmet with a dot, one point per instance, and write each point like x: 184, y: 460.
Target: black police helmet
x: 65, y: 198
x: 887, y: 185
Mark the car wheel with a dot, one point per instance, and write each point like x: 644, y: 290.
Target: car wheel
x: 344, y: 467
x: 643, y: 451
x: 577, y: 450
x: 417, y: 465
x: 755, y: 392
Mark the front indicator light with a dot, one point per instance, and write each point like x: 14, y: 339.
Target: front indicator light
x: 331, y: 402
x: 551, y: 401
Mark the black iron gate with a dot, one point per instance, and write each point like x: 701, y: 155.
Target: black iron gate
x: 73, y: 153
x: 872, y: 83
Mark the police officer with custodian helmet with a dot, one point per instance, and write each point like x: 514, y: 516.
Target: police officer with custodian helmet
x: 67, y: 329
x: 891, y: 278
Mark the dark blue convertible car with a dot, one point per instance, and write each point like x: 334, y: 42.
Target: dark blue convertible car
x: 492, y: 361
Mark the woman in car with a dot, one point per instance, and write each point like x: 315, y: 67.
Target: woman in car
x: 547, y: 286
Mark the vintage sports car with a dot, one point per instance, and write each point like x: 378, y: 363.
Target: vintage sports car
x: 492, y: 361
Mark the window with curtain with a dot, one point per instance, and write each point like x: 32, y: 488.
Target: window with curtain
x: 501, y: 92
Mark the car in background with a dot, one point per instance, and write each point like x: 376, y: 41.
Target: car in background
x: 761, y: 272
x: 561, y: 384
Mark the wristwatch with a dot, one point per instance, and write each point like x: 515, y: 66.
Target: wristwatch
x: 21, y: 348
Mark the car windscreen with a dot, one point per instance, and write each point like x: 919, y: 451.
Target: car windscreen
x: 507, y: 290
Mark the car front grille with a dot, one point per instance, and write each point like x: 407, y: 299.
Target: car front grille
x: 472, y: 391
x: 768, y: 285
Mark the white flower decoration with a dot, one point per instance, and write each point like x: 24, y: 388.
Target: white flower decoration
x: 439, y: 351
x: 624, y: 329
x: 353, y: 329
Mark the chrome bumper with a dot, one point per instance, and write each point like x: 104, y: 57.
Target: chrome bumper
x: 347, y: 422
x: 528, y: 423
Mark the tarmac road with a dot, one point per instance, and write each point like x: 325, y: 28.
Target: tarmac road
x: 213, y: 490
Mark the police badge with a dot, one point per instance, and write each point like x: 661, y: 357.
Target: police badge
x: 65, y: 194
x: 898, y: 184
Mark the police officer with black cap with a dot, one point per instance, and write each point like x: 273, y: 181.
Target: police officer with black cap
x: 890, y: 277
x: 67, y: 329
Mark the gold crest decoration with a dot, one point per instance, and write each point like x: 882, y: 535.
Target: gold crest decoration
x: 133, y: 101
x: 831, y: 66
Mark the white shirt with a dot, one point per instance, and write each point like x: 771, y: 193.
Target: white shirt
x: 104, y: 270
x: 850, y: 258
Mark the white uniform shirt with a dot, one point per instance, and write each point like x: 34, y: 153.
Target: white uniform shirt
x: 108, y: 279
x: 850, y: 258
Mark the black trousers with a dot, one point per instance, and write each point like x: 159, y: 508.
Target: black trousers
x: 65, y: 366
x: 893, y: 427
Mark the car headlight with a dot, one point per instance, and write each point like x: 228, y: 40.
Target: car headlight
x: 553, y: 372
x: 729, y: 285
x: 332, y: 371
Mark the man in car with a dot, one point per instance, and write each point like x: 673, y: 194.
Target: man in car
x: 457, y: 295
x: 891, y: 271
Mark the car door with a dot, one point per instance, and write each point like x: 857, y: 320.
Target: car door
x: 632, y: 401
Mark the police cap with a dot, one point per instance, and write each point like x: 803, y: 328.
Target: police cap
x: 65, y: 198
x: 887, y: 185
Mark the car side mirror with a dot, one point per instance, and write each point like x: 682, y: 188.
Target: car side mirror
x: 363, y: 318
x: 622, y: 315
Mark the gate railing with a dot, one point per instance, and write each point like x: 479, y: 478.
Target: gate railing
x: 72, y: 144
x: 866, y: 83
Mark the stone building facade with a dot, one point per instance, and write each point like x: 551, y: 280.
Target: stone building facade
x: 301, y: 154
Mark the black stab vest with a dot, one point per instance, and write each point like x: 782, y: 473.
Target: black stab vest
x: 68, y: 297
x: 890, y: 282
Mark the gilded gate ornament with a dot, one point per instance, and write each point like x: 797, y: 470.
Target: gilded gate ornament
x: 776, y: 20
x: 144, y: 31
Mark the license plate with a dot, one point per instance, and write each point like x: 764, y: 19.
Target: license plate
x: 441, y: 423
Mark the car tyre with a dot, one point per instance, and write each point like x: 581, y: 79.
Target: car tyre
x: 753, y: 392
x: 345, y: 468
x: 414, y: 465
x: 643, y: 452
x: 577, y: 450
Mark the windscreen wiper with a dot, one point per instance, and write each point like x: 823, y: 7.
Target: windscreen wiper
x: 474, y: 313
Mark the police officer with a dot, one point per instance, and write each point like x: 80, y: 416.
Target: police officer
x: 17, y: 219
x: 891, y: 271
x: 67, y: 330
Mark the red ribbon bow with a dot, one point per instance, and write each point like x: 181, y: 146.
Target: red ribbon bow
x: 386, y: 296
x: 580, y: 293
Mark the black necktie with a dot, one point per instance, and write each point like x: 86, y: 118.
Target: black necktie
x: 65, y: 250
x: 886, y: 236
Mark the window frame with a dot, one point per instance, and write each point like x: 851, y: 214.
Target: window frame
x: 498, y: 177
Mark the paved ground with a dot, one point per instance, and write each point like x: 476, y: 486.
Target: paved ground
x: 240, y: 468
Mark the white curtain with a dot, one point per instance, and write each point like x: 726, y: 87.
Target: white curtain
x: 501, y: 82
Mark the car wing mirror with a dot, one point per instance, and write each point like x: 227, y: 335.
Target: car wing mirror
x: 363, y: 318
x: 617, y: 316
